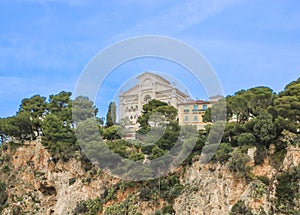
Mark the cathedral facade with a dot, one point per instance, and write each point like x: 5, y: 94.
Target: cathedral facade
x: 150, y: 86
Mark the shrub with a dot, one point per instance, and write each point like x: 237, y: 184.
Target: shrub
x: 260, y: 155
x: 264, y: 179
x: 240, y: 208
x: 3, y: 195
x: 72, y: 181
x: 246, y: 139
x: 287, y: 190
x: 238, y: 163
x: 6, y: 169
x: 223, y: 153
x: 168, y: 209
x: 88, y: 207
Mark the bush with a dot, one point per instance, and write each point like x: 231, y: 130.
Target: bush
x: 238, y: 163
x: 260, y: 155
x: 287, y: 190
x: 264, y: 179
x: 168, y: 209
x: 3, y: 196
x: 72, y: 181
x: 240, y: 208
x: 88, y: 207
x: 223, y: 153
x: 246, y: 139
x: 6, y: 169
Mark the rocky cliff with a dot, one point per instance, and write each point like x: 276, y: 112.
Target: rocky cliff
x: 36, y: 184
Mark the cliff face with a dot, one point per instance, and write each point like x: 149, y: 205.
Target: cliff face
x: 37, y: 185
x: 209, y: 189
x: 212, y: 189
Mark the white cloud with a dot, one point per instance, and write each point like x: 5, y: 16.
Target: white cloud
x: 178, y: 17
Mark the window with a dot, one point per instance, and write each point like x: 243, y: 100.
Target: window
x: 186, y: 110
x: 147, y: 98
x: 204, y: 107
x: 186, y: 118
x: 196, y: 118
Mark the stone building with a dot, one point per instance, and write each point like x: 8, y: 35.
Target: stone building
x: 150, y: 86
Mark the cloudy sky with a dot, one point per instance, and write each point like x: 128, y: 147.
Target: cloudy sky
x: 46, y: 44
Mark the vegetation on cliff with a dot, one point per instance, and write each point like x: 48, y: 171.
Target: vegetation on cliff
x: 256, y: 117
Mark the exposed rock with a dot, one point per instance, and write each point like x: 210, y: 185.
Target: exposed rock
x: 207, y: 191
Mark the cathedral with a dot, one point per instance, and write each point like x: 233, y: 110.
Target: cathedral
x: 150, y: 86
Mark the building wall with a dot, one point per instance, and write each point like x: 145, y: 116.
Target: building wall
x: 191, y: 113
x: 150, y: 86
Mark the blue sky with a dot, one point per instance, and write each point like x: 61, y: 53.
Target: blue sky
x: 45, y: 44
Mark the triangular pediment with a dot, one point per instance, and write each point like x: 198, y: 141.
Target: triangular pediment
x: 132, y: 91
x: 152, y: 76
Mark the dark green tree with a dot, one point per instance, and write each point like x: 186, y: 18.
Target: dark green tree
x: 61, y: 105
x: 111, y: 115
x: 223, y: 152
x: 155, y: 108
x: 19, y: 126
x: 264, y: 129
x: 240, y: 209
x: 246, y: 139
x: 36, y: 106
x: 59, y: 137
x: 287, y: 104
x: 237, y: 105
x: 260, y: 98
x: 83, y: 109
x: 237, y: 163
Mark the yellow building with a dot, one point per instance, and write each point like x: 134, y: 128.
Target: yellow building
x: 191, y: 113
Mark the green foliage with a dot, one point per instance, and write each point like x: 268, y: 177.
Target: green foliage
x: 287, y: 190
x: 111, y: 115
x: 136, y: 156
x: 207, y: 115
x: 3, y: 196
x: 217, y: 112
x: 61, y: 105
x: 246, y: 139
x: 240, y: 208
x: 19, y: 126
x: 72, y: 181
x: 168, y: 210
x: 287, y: 104
x: 36, y: 107
x: 238, y: 105
x: 58, y: 137
x: 88, y: 207
x: 260, y: 155
x: 120, y: 147
x: 111, y: 194
x: 264, y: 129
x: 224, y: 152
x: 156, y: 153
x: 113, y: 132
x: 83, y: 109
x: 237, y: 163
x: 151, y: 109
x: 247, y: 103
x: 258, y: 189
x: 5, y: 169
x: 264, y: 179
x: 128, y: 206
x: 232, y: 132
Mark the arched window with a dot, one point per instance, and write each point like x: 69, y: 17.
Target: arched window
x: 147, y: 98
